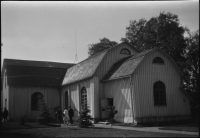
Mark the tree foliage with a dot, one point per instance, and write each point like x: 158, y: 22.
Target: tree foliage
x: 44, y: 116
x: 166, y: 33
x: 192, y: 63
x: 104, y: 44
x: 84, y: 119
x: 163, y: 31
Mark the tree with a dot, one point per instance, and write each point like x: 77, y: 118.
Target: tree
x: 166, y: 33
x: 44, y: 116
x: 104, y: 44
x: 84, y: 119
x: 192, y: 64
x: 163, y: 31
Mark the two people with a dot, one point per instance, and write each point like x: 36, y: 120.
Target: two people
x: 68, y: 114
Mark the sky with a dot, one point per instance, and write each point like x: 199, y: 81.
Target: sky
x: 50, y: 31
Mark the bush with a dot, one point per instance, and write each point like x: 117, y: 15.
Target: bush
x: 23, y: 120
x: 44, y: 117
x: 111, y: 111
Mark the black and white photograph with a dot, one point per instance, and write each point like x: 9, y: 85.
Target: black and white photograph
x: 99, y: 69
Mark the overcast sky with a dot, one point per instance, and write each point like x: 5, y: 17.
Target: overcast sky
x: 45, y: 31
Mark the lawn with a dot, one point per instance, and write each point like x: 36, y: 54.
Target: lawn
x: 32, y: 131
x: 189, y: 128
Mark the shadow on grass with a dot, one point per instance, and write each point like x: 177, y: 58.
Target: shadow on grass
x: 16, y: 125
x: 17, y: 135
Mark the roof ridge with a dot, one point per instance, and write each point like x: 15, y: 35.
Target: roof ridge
x: 132, y: 56
x: 107, y: 50
x: 35, y: 61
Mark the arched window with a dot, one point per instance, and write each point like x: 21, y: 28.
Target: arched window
x: 125, y: 51
x: 35, y: 100
x: 66, y: 99
x: 158, y: 60
x: 159, y: 93
x: 83, y: 96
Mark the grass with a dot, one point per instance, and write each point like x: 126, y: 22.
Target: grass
x: 189, y: 128
x: 34, y: 130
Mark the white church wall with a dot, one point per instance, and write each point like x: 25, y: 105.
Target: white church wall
x: 120, y: 91
x: 91, y: 86
x: 5, y: 92
x: 113, y: 56
x: 144, y: 78
x: 74, y: 90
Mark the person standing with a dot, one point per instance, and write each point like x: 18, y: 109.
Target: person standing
x: 66, y: 117
x: 71, y: 114
x: 59, y: 115
x: 5, y: 115
x: 1, y: 114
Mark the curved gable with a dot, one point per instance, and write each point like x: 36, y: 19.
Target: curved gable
x: 169, y: 63
x: 114, y: 56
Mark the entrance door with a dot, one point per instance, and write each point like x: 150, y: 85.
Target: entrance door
x: 110, y: 101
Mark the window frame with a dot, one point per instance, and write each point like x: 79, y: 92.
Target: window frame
x: 159, y: 94
x: 83, y: 96
x: 35, y: 100
x: 127, y: 50
x: 158, y: 60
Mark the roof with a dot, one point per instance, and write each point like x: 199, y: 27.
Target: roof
x: 126, y: 66
x: 35, y: 73
x: 84, y: 69
x: 31, y: 63
x: 87, y: 68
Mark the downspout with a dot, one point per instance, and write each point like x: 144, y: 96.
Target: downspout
x: 131, y: 87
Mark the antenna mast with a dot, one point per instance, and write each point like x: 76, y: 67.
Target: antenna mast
x: 76, y: 57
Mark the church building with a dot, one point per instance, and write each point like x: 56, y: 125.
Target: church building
x: 143, y: 86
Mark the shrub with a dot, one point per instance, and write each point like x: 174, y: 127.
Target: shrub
x: 111, y: 111
x: 85, y: 118
x: 23, y: 120
x: 44, y: 117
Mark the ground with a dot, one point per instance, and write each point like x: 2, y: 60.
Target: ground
x: 34, y: 130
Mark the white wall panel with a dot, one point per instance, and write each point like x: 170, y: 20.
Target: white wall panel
x: 119, y: 90
x: 144, y: 78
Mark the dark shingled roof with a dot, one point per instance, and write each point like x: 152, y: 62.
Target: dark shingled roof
x: 87, y: 68
x: 84, y: 69
x: 35, y: 73
x: 126, y: 66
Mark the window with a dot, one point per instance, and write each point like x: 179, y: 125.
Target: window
x: 125, y: 51
x: 5, y: 79
x: 159, y: 94
x: 158, y: 60
x: 83, y: 96
x: 66, y: 99
x: 35, y: 100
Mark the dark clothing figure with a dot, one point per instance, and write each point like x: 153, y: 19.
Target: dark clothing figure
x: 1, y: 114
x: 70, y: 114
x: 5, y: 115
x: 59, y: 115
